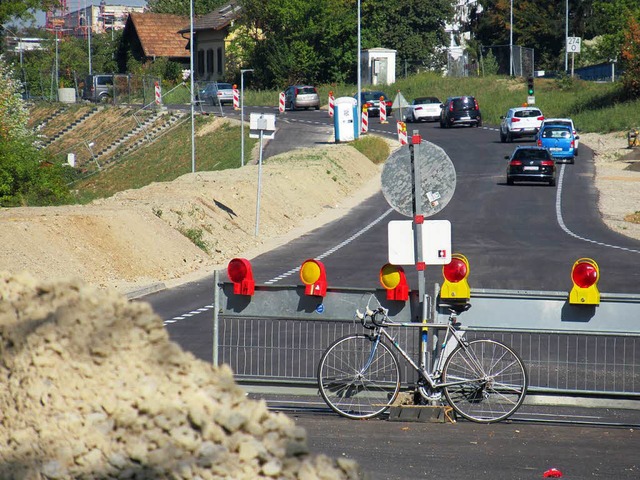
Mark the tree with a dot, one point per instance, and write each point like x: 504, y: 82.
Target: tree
x: 631, y: 58
x: 200, y: 7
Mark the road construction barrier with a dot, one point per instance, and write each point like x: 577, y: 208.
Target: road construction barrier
x: 402, y: 133
x: 383, y: 111
x: 332, y: 101
x: 281, y: 103
x: 158, y: 94
x: 364, y: 125
x: 236, y: 98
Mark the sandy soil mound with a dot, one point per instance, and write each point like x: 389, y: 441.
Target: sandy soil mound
x: 94, y: 389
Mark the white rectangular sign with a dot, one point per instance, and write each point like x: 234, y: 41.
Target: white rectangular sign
x: 436, y: 242
x: 265, y: 122
x: 573, y: 44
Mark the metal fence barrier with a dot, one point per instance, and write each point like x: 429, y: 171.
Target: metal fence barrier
x: 278, y: 336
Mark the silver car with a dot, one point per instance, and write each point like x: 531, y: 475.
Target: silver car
x: 301, y: 96
x: 216, y: 93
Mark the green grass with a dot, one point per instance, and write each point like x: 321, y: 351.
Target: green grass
x: 168, y: 158
x: 374, y: 148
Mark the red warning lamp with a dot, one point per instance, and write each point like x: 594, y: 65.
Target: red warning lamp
x: 455, y: 274
x: 240, y: 273
x: 313, y: 275
x: 393, y: 279
x: 585, y: 275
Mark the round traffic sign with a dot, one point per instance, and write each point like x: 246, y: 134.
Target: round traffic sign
x: 437, y: 179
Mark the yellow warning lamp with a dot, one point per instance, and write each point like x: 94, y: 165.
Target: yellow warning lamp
x: 313, y: 275
x: 455, y: 274
x: 393, y: 279
x: 240, y: 273
x: 585, y: 275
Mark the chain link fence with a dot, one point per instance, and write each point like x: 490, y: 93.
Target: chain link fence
x: 494, y: 60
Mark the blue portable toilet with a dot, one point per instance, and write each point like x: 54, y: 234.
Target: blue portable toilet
x: 345, y: 119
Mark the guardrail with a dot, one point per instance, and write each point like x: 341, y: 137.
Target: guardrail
x: 277, y: 335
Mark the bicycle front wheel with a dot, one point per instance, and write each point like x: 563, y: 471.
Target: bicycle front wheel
x: 487, y: 381
x: 358, y: 376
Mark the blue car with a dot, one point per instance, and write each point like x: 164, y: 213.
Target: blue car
x: 559, y: 140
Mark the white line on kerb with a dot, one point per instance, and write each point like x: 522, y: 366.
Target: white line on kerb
x: 569, y: 232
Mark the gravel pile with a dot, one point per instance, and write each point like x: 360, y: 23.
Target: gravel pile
x: 94, y: 389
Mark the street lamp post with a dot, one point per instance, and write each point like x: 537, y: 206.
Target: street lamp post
x: 511, y: 41
x: 566, y: 36
x: 242, y: 71
x: 359, y: 106
x: 193, y: 113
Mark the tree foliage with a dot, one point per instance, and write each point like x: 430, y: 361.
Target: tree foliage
x: 631, y: 58
x: 24, y: 178
x: 316, y: 42
x: 182, y: 7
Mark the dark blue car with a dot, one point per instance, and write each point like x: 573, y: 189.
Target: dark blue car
x: 559, y: 140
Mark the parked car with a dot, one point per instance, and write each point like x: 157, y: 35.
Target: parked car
x: 462, y: 110
x: 216, y: 93
x: 98, y: 88
x: 301, y: 96
x: 372, y: 100
x: 531, y: 164
x: 559, y: 140
x: 520, y: 122
x: 424, y: 109
x: 568, y: 122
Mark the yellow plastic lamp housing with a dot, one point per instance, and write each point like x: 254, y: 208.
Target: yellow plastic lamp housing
x: 313, y: 275
x: 585, y: 275
x: 455, y: 273
x: 394, y: 281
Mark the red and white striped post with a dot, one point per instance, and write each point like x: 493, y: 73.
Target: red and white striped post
x: 332, y: 103
x: 402, y: 133
x: 383, y: 111
x: 281, y: 103
x: 236, y: 98
x: 365, y: 120
x: 158, y: 94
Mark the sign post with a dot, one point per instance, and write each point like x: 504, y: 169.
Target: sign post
x: 573, y: 47
x: 259, y: 124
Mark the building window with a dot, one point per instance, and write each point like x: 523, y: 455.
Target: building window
x: 220, y: 62
x: 200, y: 61
x: 210, y: 61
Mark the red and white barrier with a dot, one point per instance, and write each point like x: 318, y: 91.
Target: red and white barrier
x: 281, y: 103
x: 383, y: 111
x: 402, y: 133
x: 332, y: 104
x: 236, y: 98
x: 365, y: 120
x: 158, y: 94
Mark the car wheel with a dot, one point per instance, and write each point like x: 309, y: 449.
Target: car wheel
x: 441, y: 124
x: 509, y: 181
x: 212, y: 101
x: 317, y: 107
x: 509, y: 137
x: 503, y: 138
x: 479, y: 124
x: 575, y: 153
x: 292, y: 106
x: 572, y: 161
x: 552, y: 183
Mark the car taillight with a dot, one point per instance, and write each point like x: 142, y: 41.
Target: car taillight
x: 389, y: 103
x: 515, y: 163
x: 514, y: 119
x: 539, y: 142
x: 547, y: 163
x: 451, y: 107
x: 541, y: 118
x: 418, y: 108
x: 475, y: 103
x: 369, y: 104
x: 295, y: 91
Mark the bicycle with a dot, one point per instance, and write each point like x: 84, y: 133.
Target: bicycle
x: 359, y: 375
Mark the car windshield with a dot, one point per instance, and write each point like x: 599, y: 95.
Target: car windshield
x: 423, y: 100
x: 463, y: 102
x: 225, y: 86
x: 368, y: 96
x: 531, y: 154
x: 555, y: 132
x: 527, y: 113
x: 306, y: 90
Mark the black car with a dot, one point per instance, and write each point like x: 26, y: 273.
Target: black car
x: 462, y: 110
x: 372, y: 100
x: 531, y: 164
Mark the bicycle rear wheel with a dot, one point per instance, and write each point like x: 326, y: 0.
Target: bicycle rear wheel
x: 359, y: 377
x: 489, y: 381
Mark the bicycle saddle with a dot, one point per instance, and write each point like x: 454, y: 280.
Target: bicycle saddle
x: 456, y: 307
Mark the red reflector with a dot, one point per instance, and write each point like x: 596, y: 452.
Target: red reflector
x: 237, y: 271
x: 455, y: 271
x: 475, y: 103
x: 573, y: 144
x: 515, y: 163
x: 584, y: 275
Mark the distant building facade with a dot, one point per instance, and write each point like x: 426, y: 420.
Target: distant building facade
x: 101, y: 18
